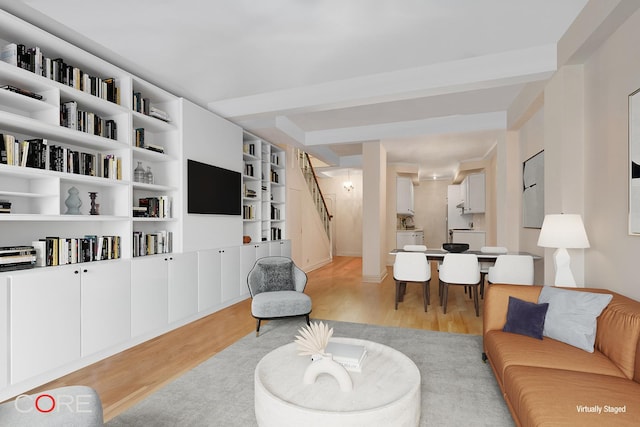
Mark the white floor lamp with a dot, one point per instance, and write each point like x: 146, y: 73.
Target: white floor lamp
x: 563, y: 231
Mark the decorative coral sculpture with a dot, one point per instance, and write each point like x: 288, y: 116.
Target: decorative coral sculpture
x: 313, y: 339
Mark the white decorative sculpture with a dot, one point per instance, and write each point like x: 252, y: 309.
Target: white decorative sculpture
x: 312, y: 341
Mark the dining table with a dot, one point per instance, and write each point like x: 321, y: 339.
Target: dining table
x: 438, y: 254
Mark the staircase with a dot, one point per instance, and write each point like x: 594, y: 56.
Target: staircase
x: 312, y: 182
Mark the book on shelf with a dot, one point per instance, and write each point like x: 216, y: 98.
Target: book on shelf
x: 159, y: 114
x: 85, y: 121
x: 351, y: 356
x: 22, y: 91
x: 139, y: 137
x: 156, y: 148
x: 5, y: 207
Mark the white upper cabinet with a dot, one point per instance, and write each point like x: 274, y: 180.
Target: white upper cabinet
x: 472, y: 192
x: 404, y: 196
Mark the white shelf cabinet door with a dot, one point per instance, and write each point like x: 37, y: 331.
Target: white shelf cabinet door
x: 45, y: 321
x: 149, y: 295
x: 183, y: 285
x: 404, y: 196
x: 280, y: 248
x: 106, y: 304
x: 249, y: 254
x: 209, y: 279
x: 4, y: 331
x: 230, y: 273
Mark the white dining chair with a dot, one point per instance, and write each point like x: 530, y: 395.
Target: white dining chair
x: 459, y: 269
x: 484, y: 266
x: 512, y: 269
x: 412, y: 267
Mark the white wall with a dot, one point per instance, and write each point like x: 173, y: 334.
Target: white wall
x: 430, y: 205
x: 347, y: 214
x: 611, y: 74
x: 310, y: 247
x: 210, y: 139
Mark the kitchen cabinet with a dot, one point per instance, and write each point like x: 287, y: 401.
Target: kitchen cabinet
x: 44, y: 320
x: 475, y: 239
x: 472, y: 192
x: 404, y: 196
x: 409, y: 237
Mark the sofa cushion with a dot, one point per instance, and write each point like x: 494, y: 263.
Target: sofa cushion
x: 525, y: 318
x: 572, y: 316
x: 506, y: 349
x: 554, y: 397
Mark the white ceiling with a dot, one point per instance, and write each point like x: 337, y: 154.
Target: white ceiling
x: 431, y: 79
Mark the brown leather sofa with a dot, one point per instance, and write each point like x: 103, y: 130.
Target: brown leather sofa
x: 550, y: 383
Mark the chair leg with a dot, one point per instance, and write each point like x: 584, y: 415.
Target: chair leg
x: 476, y: 303
x: 425, y: 294
x: 307, y: 319
x: 482, y: 280
x: 429, y: 292
x: 440, y: 290
x: 258, y: 327
x: 445, y: 296
x: 397, y: 293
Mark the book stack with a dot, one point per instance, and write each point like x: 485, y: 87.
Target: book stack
x: 17, y: 257
x: 248, y: 212
x: 5, y: 206
x: 350, y: 356
x: 250, y: 193
x: 159, y: 114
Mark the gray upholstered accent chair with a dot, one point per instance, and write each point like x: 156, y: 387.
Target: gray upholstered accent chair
x: 277, y: 289
x: 65, y: 406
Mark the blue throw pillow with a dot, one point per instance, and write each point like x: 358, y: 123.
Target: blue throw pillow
x: 525, y: 318
x: 573, y: 315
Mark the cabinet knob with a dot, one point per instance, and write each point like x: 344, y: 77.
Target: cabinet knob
x: 75, y: 272
x: 84, y: 271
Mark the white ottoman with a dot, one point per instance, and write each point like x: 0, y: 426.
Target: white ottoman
x: 386, y: 392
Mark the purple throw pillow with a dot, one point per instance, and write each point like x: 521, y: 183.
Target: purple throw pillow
x: 525, y: 318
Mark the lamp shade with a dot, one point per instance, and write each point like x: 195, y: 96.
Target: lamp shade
x: 563, y: 231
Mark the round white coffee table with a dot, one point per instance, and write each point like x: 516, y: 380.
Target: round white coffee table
x: 386, y: 392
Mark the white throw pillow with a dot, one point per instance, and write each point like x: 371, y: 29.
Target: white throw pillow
x: 572, y: 315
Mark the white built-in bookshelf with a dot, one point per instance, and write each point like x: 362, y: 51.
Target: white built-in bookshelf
x: 87, y: 311
x: 264, y: 191
x: 38, y: 194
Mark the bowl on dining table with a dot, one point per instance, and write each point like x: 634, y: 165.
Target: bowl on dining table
x: 455, y: 247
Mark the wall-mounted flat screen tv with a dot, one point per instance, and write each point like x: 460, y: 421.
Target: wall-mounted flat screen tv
x: 213, y: 190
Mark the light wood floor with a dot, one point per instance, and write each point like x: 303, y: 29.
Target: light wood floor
x: 337, y: 293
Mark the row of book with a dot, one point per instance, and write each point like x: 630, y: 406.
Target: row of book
x: 33, y: 59
x: 37, y: 153
x: 59, y: 251
x: 73, y: 118
x: 275, y: 213
x: 248, y: 169
x: 140, y: 142
x: 276, y: 233
x: 248, y: 212
x: 143, y: 105
x: 17, y: 257
x: 249, y: 148
x: 153, y: 207
x: 275, y: 177
x: 159, y: 242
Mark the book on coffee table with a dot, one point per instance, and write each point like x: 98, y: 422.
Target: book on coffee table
x: 350, y: 356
